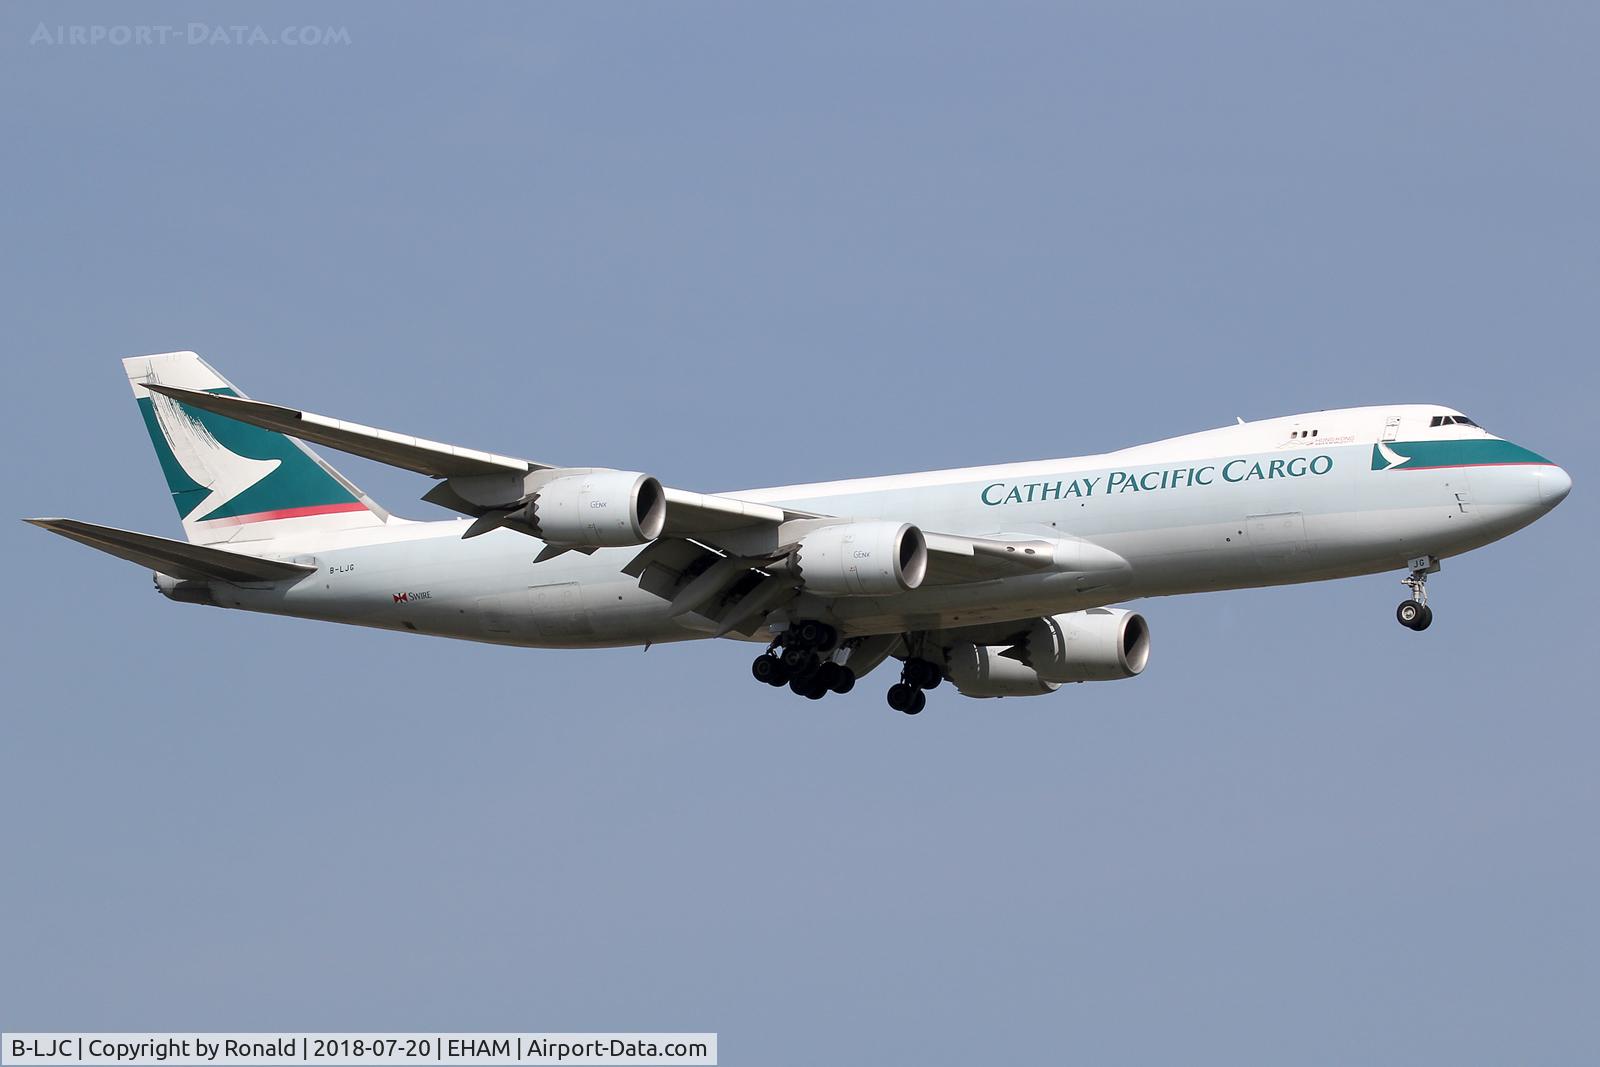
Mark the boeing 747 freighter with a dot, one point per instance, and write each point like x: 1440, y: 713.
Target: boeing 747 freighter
x: 1002, y: 580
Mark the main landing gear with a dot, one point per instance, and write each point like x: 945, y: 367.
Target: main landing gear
x: 809, y: 658
x: 1415, y: 614
x: 908, y: 694
x: 795, y: 658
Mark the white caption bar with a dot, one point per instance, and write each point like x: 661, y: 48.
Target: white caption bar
x: 485, y: 1050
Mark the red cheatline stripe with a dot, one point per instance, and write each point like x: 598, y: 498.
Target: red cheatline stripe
x: 288, y: 513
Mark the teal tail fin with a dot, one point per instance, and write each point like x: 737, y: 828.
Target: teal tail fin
x: 231, y: 481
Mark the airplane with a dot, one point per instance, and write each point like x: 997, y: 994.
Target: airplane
x: 1004, y: 580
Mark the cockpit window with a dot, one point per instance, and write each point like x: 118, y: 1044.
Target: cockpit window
x: 1438, y: 420
x: 1462, y: 420
x: 1451, y: 420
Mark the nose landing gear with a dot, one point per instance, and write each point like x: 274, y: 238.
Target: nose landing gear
x: 1414, y: 614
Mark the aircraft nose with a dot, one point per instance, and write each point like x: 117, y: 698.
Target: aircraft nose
x: 1554, y: 485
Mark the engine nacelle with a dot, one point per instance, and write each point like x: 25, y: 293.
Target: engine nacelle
x: 1097, y: 645
x: 185, y: 592
x: 861, y: 559
x: 981, y: 671
x: 600, y: 509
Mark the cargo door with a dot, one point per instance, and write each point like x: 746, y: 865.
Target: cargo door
x: 1278, y: 540
x: 558, y: 611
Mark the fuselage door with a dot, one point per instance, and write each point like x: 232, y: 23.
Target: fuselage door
x: 1391, y: 429
x: 558, y: 611
x: 1278, y: 541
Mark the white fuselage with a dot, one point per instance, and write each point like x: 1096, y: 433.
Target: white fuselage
x: 1294, y: 499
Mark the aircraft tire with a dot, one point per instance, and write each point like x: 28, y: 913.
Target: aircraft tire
x: 1410, y: 613
x: 922, y: 674
x: 813, y: 634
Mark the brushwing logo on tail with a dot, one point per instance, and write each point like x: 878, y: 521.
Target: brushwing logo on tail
x: 205, y: 459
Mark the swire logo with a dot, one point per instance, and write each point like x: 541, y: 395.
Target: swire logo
x: 406, y: 598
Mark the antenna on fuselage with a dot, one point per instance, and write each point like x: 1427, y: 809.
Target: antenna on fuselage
x: 1239, y: 420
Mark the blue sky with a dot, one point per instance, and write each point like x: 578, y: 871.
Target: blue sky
x: 739, y: 245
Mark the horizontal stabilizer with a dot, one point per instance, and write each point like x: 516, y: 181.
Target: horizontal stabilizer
x: 176, y: 558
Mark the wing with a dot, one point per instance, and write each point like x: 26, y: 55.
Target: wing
x: 725, y: 592
x: 954, y: 559
x: 397, y: 450
x: 715, y: 558
x: 472, y: 482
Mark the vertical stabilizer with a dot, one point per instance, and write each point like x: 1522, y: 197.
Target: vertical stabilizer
x: 234, y: 482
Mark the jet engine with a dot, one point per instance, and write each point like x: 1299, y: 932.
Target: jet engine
x: 983, y: 671
x: 1097, y: 645
x: 861, y: 559
x: 599, y: 509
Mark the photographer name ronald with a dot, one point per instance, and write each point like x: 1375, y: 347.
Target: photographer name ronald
x: 181, y: 1049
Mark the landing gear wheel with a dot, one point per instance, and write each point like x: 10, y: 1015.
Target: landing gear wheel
x: 795, y: 658
x: 901, y: 697
x: 1414, y: 614
x: 1411, y: 614
x: 919, y: 700
x: 816, y: 689
x: 814, y: 634
x: 780, y: 674
x: 843, y: 681
x: 764, y: 668
x: 922, y: 674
